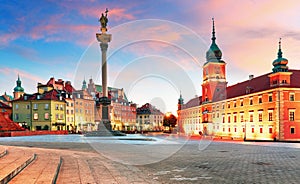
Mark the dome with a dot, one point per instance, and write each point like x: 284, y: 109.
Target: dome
x: 18, y: 89
x: 280, y: 63
x: 214, y: 54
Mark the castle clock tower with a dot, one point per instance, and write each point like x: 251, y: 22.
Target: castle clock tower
x: 214, y: 79
x: 214, y: 76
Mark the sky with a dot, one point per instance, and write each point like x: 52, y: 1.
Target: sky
x: 157, y: 49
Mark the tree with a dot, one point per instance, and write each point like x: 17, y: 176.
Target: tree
x: 170, y: 120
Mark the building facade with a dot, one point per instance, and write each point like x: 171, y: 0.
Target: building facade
x: 122, y: 113
x: 40, y: 111
x: 149, y: 118
x: 266, y: 107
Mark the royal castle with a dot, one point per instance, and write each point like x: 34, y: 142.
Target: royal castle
x: 266, y: 107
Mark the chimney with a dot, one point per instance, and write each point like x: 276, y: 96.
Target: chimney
x: 251, y: 77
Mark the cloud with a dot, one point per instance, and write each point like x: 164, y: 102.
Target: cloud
x: 10, y: 75
x: 6, y: 38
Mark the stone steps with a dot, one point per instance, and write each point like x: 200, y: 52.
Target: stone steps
x: 43, y: 169
x: 3, y: 151
x: 14, y: 162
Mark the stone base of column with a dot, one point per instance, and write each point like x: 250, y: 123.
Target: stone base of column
x: 104, y: 130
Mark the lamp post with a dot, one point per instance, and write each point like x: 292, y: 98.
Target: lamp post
x: 245, y: 133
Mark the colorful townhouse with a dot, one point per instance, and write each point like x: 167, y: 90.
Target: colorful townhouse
x: 266, y: 107
x: 149, y: 118
x: 122, y: 112
x: 40, y: 111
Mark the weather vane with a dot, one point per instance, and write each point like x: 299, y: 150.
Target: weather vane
x: 103, y: 20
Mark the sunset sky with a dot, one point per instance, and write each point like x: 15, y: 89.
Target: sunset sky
x: 157, y: 49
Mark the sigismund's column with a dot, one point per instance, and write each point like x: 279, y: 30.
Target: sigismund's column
x: 104, y: 38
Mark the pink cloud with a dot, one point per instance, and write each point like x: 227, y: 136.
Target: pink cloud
x: 7, y: 38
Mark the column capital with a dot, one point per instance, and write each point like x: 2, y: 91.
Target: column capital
x: 103, y: 37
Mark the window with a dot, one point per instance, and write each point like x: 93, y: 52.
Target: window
x: 292, y: 96
x: 28, y: 106
x: 242, y: 103
x: 244, y: 130
x: 46, y: 115
x: 234, y: 104
x: 270, y: 98
x: 68, y: 111
x: 252, y: 128
x: 17, y: 116
x: 235, y: 129
x: 260, y: 99
x: 292, y: 115
x: 242, y: 117
x: 260, y: 116
x: 35, y: 116
x: 223, y: 118
x: 46, y: 106
x: 61, y: 107
x: 228, y: 118
x: 251, y: 117
x: 61, y: 116
x: 17, y: 106
x: 35, y: 106
x: 234, y: 118
x: 56, y: 106
x: 56, y: 116
x: 251, y: 101
x: 270, y: 115
x: 28, y: 116
x: 223, y: 106
x: 228, y: 105
x: 292, y: 130
x: 270, y: 129
x: 261, y: 129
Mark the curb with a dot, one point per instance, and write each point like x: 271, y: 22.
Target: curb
x: 3, y: 153
x: 57, y: 171
x: 17, y: 170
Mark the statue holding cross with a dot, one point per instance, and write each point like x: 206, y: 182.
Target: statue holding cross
x: 103, y: 20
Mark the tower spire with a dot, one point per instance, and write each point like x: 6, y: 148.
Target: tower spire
x: 279, y: 50
x: 280, y: 64
x: 213, y: 31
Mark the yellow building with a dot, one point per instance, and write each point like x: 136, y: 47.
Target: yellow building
x: 41, y: 111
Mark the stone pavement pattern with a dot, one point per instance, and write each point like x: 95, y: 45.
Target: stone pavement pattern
x: 220, y: 162
x: 224, y: 162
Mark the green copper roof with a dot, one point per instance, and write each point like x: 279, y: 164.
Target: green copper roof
x: 18, y: 88
x: 280, y: 64
x: 84, y: 85
x: 214, y: 54
x: 180, y: 100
